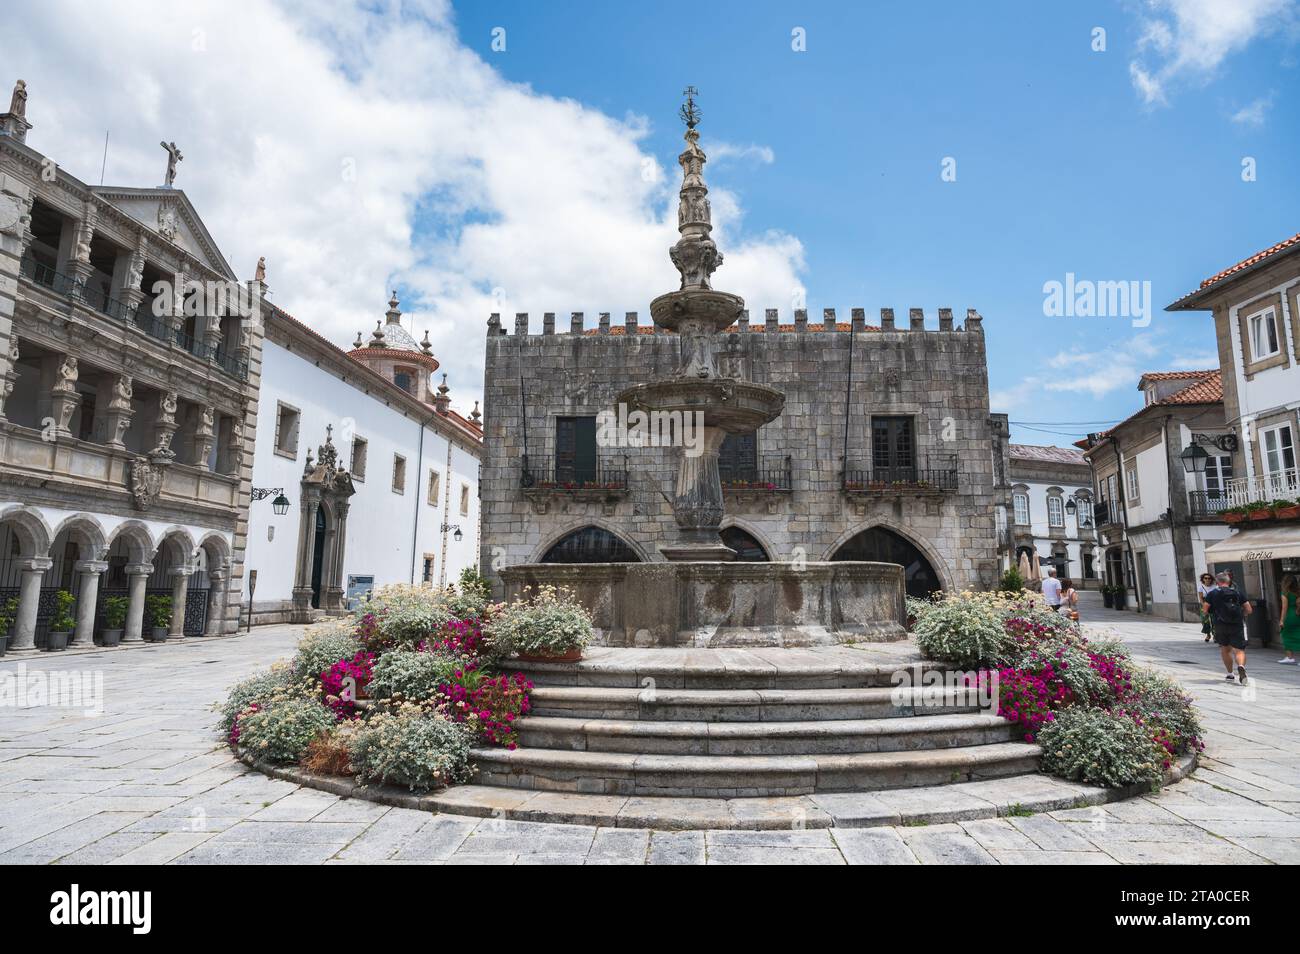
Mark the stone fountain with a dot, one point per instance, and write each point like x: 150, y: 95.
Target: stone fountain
x: 698, y: 596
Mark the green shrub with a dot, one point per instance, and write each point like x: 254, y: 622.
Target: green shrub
x: 63, y: 620
x: 1100, y: 748
x: 471, y: 596
x: 966, y: 631
x: 1011, y: 582
x: 549, y: 621
x: 158, y: 610
x: 320, y: 648
x: 1160, y: 702
x: 115, y: 609
x: 8, y: 612
x: 412, y: 675
x: 404, y: 615
x: 412, y: 748
x: 262, y: 688
x: 281, y: 732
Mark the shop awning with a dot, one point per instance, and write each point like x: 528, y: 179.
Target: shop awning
x: 1271, y: 543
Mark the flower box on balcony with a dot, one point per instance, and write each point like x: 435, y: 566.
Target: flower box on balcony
x: 1233, y: 516
x: 1286, y: 511
x: 1262, y: 513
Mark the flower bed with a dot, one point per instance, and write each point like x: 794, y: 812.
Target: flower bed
x: 429, y: 661
x: 1099, y: 717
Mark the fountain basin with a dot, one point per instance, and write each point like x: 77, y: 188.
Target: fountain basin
x: 731, y: 405
x: 716, y: 604
x: 717, y: 310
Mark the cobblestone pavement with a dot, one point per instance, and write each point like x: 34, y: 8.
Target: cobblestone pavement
x: 149, y: 781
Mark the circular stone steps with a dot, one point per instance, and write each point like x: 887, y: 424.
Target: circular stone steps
x: 748, y: 723
x: 841, y: 736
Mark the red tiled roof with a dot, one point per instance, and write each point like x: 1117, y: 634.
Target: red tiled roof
x: 1207, y: 389
x: 1175, y: 375
x: 419, y: 357
x: 1253, y: 260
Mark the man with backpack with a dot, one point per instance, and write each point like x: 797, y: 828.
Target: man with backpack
x: 1228, y: 607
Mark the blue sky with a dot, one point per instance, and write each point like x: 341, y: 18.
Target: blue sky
x: 366, y: 145
x: 1062, y: 166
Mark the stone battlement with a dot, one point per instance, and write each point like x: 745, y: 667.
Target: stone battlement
x: 916, y: 321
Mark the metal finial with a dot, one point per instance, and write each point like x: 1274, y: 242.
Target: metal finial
x: 690, y: 113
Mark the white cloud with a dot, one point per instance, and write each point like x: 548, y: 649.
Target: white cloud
x: 1253, y: 113
x: 1094, y: 374
x: 465, y: 183
x: 1185, y: 41
x: 720, y: 152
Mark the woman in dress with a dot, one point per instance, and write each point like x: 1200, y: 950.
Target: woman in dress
x: 1289, y: 627
x: 1203, y: 586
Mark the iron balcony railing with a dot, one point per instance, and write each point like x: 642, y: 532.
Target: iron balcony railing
x: 1106, y: 512
x: 153, y: 325
x: 905, y: 478
x: 1207, y: 503
x: 1282, y: 485
x: 547, y: 473
x: 771, y: 476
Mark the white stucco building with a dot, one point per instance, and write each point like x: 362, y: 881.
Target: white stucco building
x: 381, y: 474
x: 1051, y: 510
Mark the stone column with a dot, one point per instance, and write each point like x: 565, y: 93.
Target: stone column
x: 307, y: 505
x: 87, y: 600
x: 333, y: 582
x: 131, y: 294
x: 10, y: 376
x: 216, y: 601
x: 180, y: 587
x: 29, y: 598
x: 138, y: 576
x: 697, y: 505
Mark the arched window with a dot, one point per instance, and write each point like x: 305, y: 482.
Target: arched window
x: 590, y: 545
x: 882, y: 545
x: 746, y: 547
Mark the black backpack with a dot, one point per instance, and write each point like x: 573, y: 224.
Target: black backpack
x: 1227, y: 608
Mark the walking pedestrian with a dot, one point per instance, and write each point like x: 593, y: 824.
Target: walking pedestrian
x: 1289, y: 620
x: 1069, y: 601
x: 1229, y: 608
x: 1052, y: 591
x: 1203, y: 586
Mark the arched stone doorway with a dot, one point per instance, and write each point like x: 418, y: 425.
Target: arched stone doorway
x: 590, y: 545
x: 322, y: 534
x: 747, y: 547
x: 882, y: 545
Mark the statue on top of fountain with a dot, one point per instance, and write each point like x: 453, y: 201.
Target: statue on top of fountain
x: 695, y: 255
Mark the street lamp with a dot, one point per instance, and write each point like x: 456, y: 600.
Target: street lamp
x: 1194, y: 459
x: 457, y: 535
x: 280, y: 504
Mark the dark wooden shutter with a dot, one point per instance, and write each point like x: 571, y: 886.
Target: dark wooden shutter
x: 575, y: 449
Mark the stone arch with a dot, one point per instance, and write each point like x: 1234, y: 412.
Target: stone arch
x: 217, y: 548
x: 759, y: 537
x: 31, y: 530
x: 576, y: 527
x: 87, y: 532
x: 137, y: 540
x: 923, y: 547
x: 176, y: 544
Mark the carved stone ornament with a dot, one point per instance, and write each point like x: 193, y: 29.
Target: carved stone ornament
x: 146, y: 482
x: 168, y: 226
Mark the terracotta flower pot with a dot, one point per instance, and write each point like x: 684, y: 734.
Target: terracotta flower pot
x: 1260, y: 514
x: 1287, y: 513
x: 569, y: 655
x: 1237, y: 517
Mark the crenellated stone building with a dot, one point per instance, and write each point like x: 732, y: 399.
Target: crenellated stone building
x: 886, y: 449
x: 130, y: 361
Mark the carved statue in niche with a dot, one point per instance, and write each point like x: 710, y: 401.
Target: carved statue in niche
x: 66, y: 381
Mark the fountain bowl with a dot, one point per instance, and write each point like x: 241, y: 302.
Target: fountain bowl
x: 719, y: 310
x: 737, y: 604
x: 732, y: 405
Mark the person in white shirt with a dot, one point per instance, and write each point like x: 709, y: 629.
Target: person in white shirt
x: 1052, y: 590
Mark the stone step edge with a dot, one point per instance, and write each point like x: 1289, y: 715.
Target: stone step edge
x: 725, y: 731
x: 739, y: 697
x: 771, y: 814
x: 623, y: 675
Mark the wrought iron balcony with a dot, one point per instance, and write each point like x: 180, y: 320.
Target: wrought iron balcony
x: 47, y: 277
x: 914, y: 479
x: 771, y: 477
x: 1207, y: 503
x: 1106, y: 513
x: 604, y: 475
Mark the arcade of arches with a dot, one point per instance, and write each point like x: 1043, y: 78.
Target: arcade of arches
x: 80, y: 557
x: 879, y: 544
